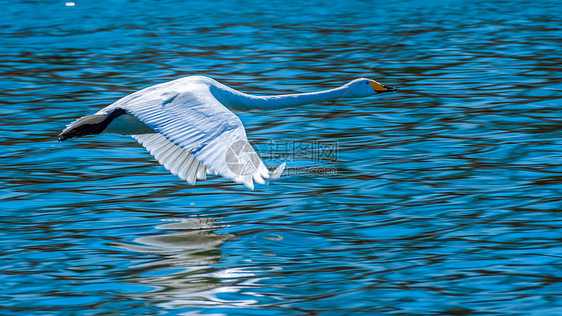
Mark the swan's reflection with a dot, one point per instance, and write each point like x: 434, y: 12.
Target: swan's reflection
x: 184, y: 254
x: 187, y: 271
x: 194, y: 245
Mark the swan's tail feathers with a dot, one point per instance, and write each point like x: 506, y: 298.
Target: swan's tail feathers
x: 89, y: 125
x: 276, y: 174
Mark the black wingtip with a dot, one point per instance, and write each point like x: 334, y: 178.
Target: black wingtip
x: 91, y: 129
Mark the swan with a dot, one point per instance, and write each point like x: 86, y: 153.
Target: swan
x: 189, y: 127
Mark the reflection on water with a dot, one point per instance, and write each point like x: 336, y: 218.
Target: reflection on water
x: 184, y: 273
x: 444, y: 197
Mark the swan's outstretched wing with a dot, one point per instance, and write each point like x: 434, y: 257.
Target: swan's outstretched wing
x: 195, y: 132
x: 174, y: 158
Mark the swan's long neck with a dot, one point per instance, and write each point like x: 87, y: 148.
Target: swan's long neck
x: 238, y: 101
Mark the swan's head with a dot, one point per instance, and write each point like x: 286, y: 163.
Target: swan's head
x: 364, y: 87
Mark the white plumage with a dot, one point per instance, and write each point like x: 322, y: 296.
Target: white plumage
x: 188, y: 126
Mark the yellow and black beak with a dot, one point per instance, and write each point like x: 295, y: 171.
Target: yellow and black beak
x: 379, y: 88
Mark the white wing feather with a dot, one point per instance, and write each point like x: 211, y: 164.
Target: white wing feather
x: 174, y: 158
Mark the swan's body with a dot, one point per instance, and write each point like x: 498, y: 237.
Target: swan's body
x: 188, y: 126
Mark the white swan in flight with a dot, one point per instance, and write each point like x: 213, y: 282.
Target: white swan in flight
x: 188, y: 126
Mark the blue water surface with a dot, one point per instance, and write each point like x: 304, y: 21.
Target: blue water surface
x: 440, y: 199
